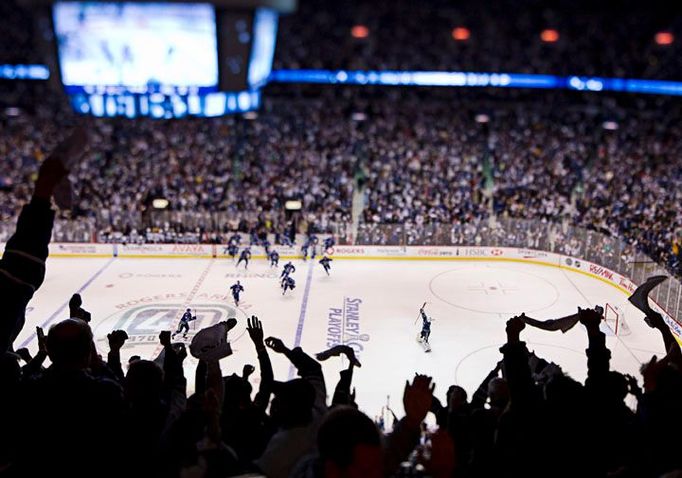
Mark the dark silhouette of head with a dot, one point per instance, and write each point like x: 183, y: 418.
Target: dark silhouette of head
x: 349, y: 445
x: 498, y: 393
x: 293, y: 403
x: 237, y: 393
x: 69, y: 344
x: 144, y: 382
x: 457, y: 397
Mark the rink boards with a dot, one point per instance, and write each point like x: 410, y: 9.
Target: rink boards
x: 410, y: 253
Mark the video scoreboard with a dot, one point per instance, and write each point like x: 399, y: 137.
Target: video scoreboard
x: 163, y: 60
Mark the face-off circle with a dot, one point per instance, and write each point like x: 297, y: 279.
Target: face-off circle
x: 494, y: 290
x: 143, y: 323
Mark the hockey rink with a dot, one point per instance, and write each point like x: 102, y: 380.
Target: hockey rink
x: 370, y: 304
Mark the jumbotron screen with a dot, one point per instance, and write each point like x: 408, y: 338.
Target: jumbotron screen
x: 140, y: 46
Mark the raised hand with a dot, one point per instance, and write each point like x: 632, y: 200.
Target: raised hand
x: 248, y: 370
x: 276, y: 344
x: 42, y: 341
x: 417, y: 399
x: 117, y: 339
x: 255, y: 329
x: 590, y: 318
x: 55, y: 168
x: 514, y: 327
x: 24, y: 354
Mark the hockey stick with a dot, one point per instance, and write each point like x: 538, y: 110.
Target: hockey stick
x: 419, y: 314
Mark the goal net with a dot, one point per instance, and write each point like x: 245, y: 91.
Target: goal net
x: 614, y: 318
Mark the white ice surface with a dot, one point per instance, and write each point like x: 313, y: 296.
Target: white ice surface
x: 470, y: 302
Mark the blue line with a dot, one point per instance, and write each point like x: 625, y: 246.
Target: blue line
x: 65, y: 304
x: 301, y: 317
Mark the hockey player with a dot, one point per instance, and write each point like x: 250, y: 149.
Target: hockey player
x: 325, y: 263
x: 184, y: 323
x: 245, y: 256
x: 288, y: 283
x: 235, y: 239
x: 285, y: 240
x: 426, y: 327
x: 328, y: 243
x: 304, y: 250
x: 288, y: 269
x: 236, y: 290
x: 232, y: 250
x: 266, y: 246
x: 313, y: 244
x: 274, y: 259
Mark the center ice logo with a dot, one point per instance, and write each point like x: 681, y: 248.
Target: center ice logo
x: 144, y: 323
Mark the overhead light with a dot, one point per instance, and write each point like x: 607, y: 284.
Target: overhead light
x: 293, y: 205
x: 610, y: 125
x: 549, y: 35
x: 359, y: 31
x: 482, y: 118
x: 664, y: 38
x: 12, y: 111
x: 250, y: 115
x: 358, y: 116
x: 460, y: 34
x: 160, y: 203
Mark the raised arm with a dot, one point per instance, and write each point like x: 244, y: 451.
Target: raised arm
x: 481, y: 394
x: 22, y: 267
x: 598, y: 356
x: 255, y: 330
x: 417, y: 400
x: 517, y: 371
x: 342, y: 392
x: 117, y: 339
x: 308, y: 368
x: 674, y: 354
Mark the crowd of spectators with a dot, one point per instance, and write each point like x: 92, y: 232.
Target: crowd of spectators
x: 83, y: 415
x: 594, y: 38
x: 418, y: 157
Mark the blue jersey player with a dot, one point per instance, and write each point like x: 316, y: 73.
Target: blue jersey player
x: 244, y: 256
x: 183, y: 326
x: 235, y: 239
x: 426, y: 327
x: 232, y: 250
x: 328, y: 243
x: 288, y: 283
x: 236, y: 290
x: 285, y: 240
x: 313, y: 240
x: 274, y: 259
x: 325, y: 263
x: 288, y: 269
x: 266, y: 245
x: 304, y: 250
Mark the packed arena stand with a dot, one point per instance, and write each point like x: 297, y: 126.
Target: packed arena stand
x: 406, y: 35
x: 412, y: 158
